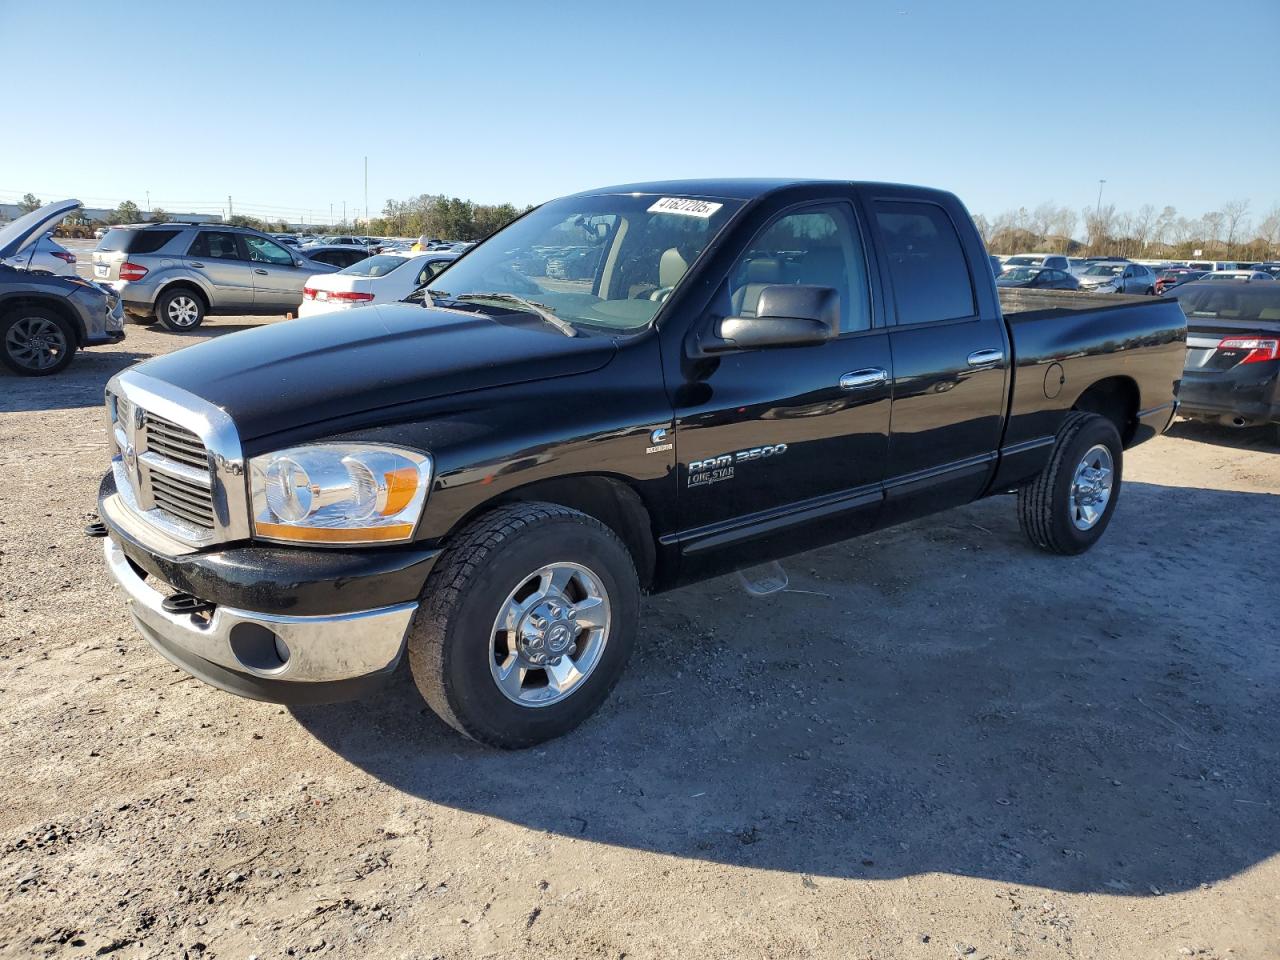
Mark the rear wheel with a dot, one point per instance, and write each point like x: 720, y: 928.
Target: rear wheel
x: 180, y: 309
x: 35, y: 341
x: 1068, y: 506
x: 526, y: 624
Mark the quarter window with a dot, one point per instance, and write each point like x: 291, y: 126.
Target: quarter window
x: 930, y: 275
x: 818, y: 246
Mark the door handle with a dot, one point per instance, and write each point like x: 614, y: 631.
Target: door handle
x: 984, y: 358
x: 259, y: 271
x: 200, y: 265
x: 861, y: 379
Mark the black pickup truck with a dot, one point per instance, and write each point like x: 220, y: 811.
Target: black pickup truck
x: 487, y: 477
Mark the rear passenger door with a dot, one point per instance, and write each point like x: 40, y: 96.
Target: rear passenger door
x: 217, y: 256
x: 950, y: 358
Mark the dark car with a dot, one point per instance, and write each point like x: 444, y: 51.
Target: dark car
x: 1232, y: 374
x: 45, y: 319
x: 1041, y: 278
x: 486, y: 482
x: 1169, y: 279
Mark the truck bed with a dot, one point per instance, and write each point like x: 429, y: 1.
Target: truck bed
x: 1018, y: 303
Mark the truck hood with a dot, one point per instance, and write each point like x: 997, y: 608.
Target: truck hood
x: 300, y: 372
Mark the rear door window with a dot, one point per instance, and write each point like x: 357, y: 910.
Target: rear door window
x: 926, y: 262
x: 216, y: 245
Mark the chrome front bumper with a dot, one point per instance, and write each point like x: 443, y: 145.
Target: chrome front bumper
x: 268, y: 652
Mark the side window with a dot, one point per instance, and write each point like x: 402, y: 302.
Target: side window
x: 819, y: 246
x: 215, y: 245
x: 430, y: 270
x: 927, y: 264
x: 262, y: 250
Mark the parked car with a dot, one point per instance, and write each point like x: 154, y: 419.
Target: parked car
x: 486, y: 482
x: 1232, y: 374
x: 46, y: 318
x: 1212, y: 266
x: 1240, y: 276
x: 337, y: 255
x: 1117, y: 277
x: 100, y: 232
x: 1272, y: 267
x: 180, y: 273
x: 46, y: 255
x: 1042, y: 278
x: 1172, y: 278
x: 1056, y: 261
x: 382, y: 278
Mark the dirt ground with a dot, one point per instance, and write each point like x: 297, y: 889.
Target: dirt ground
x: 938, y: 743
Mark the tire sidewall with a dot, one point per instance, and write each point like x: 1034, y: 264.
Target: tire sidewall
x: 1096, y: 430
x: 473, y: 695
x: 67, y: 332
x: 162, y: 308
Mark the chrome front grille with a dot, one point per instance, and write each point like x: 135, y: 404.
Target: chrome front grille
x: 174, y: 442
x: 176, y: 460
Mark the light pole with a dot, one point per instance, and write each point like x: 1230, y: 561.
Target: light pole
x: 366, y: 193
x: 1098, y: 209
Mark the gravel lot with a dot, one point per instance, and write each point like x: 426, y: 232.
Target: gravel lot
x: 939, y: 743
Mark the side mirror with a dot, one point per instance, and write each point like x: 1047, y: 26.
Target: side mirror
x: 787, y: 315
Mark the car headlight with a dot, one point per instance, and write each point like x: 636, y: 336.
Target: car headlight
x: 339, y: 493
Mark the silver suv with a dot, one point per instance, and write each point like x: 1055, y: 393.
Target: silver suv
x: 180, y: 273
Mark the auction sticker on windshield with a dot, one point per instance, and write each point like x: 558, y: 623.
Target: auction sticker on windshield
x: 685, y: 207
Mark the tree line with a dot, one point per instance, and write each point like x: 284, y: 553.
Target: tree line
x: 1228, y: 233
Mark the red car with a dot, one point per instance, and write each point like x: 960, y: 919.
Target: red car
x: 1171, y: 278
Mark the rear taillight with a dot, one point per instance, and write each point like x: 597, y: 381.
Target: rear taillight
x: 351, y: 296
x: 1255, y: 349
x: 64, y: 256
x: 132, y: 271
x: 308, y: 293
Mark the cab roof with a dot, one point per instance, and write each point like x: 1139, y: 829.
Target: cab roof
x: 746, y: 188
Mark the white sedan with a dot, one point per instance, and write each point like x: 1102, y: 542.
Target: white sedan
x: 382, y: 278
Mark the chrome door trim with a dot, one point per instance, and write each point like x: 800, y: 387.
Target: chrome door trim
x: 861, y: 379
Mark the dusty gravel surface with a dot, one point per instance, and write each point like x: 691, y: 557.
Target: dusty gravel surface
x: 938, y: 743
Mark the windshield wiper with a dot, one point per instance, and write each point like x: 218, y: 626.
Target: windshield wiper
x: 541, y: 310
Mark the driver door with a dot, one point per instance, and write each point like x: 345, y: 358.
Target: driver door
x: 277, y: 279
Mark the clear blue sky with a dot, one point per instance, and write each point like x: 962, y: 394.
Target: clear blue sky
x: 1006, y: 103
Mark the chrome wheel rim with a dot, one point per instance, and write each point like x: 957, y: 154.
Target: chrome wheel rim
x: 549, y: 635
x: 35, y: 343
x: 182, y: 311
x: 1091, y: 488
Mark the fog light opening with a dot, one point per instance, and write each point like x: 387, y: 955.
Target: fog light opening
x: 258, y: 649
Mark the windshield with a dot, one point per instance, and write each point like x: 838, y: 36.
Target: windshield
x: 1024, y: 261
x: 1105, y: 270
x: 606, y: 261
x: 375, y: 266
x: 1021, y: 274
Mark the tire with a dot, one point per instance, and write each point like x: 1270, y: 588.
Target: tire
x: 1051, y: 517
x: 180, y: 308
x: 456, y: 647
x: 36, y: 341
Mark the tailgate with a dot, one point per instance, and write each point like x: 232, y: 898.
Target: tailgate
x: 106, y: 264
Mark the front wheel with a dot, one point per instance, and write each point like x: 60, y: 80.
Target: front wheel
x: 180, y: 309
x: 526, y: 623
x: 1067, y: 507
x: 35, y: 341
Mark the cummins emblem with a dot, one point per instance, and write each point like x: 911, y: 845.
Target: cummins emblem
x: 658, y: 441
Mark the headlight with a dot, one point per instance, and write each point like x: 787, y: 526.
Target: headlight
x: 339, y: 493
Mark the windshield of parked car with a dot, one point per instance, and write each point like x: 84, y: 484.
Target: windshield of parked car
x: 1247, y: 301
x: 376, y: 266
x: 1105, y: 270
x: 1021, y: 274
x: 1024, y: 261
x: 603, y: 261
